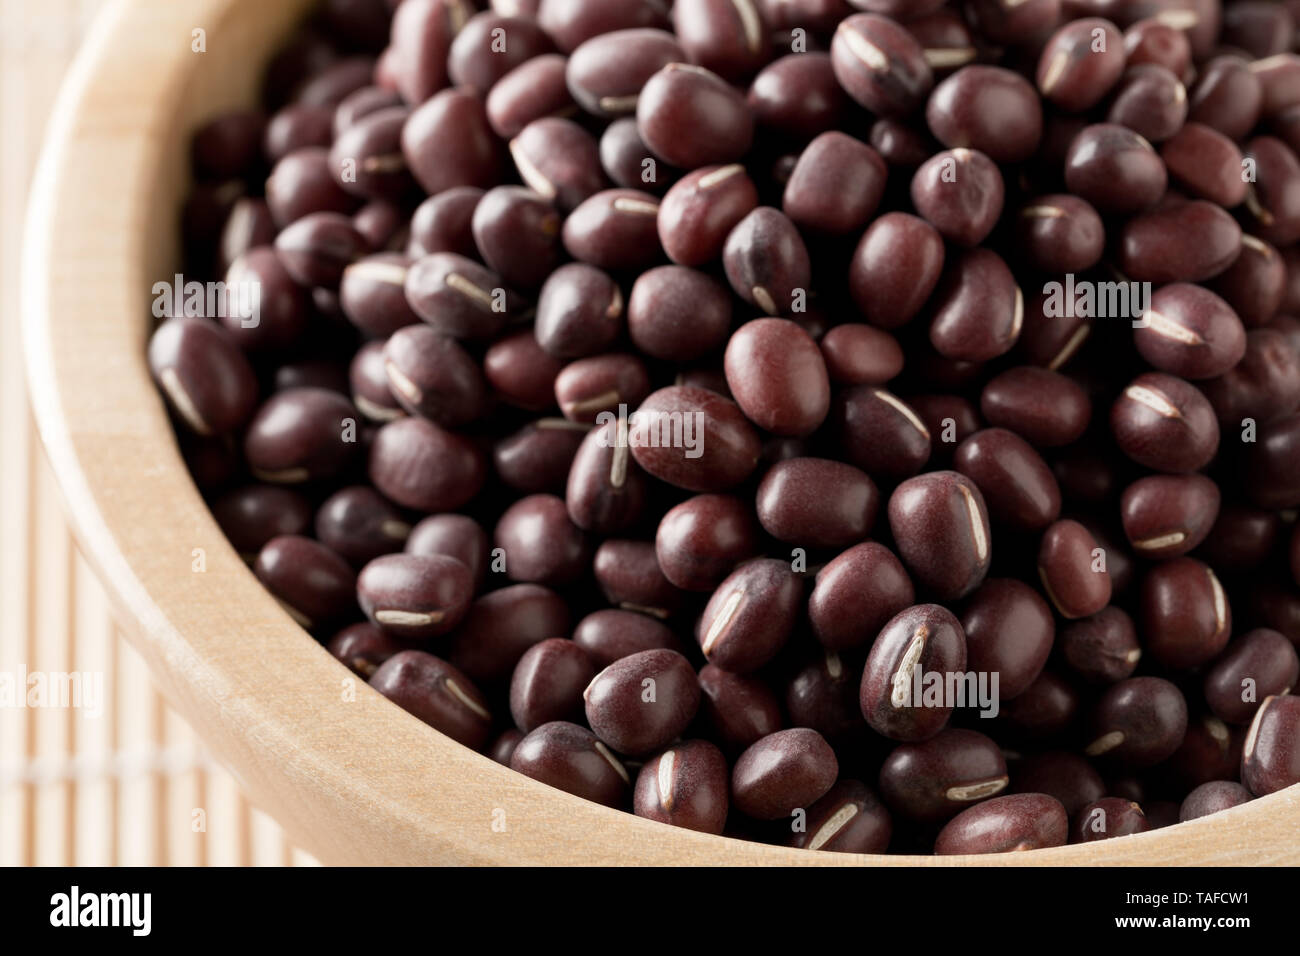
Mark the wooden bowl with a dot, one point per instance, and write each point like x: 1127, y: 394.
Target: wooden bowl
x: 351, y: 777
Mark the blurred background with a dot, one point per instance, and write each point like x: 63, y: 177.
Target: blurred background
x: 132, y: 785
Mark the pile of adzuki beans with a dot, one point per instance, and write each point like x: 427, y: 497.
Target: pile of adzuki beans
x: 475, y: 231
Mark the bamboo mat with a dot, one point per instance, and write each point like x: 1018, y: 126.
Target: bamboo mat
x: 131, y: 785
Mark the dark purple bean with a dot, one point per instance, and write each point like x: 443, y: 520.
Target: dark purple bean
x: 297, y: 127
x: 630, y: 577
x: 685, y: 786
x: 1150, y: 101
x: 1073, y: 570
x: 1046, y: 710
x: 989, y: 109
x: 728, y: 37
x: 776, y: 373
x: 448, y: 142
x: 366, y: 159
x: 627, y: 160
x: 1212, y: 797
x: 1279, y: 79
x: 606, y: 491
x: 694, y: 439
x: 856, y: 594
x: 738, y: 710
x: 902, y: 145
x: 548, y: 682
x: 612, y: 634
x: 1043, y: 407
x: 1165, y: 424
x: 1018, y: 487
x: 691, y: 117
x: 767, y: 262
x: 848, y: 819
x: 1206, y: 163
x: 518, y: 235
x: 312, y: 583
x: 1255, y: 284
x: 918, y: 643
x: 360, y: 525
x: 817, y: 503
x: 431, y: 375
x: 606, y: 73
x: 1080, y: 63
x: 783, y: 772
x: 880, y: 64
x: 301, y: 184
x: 422, y: 33
x: 580, y: 312
x: 572, y: 22
x: 978, y: 309
x: 1186, y: 617
x: 254, y: 514
x: 503, y: 748
x: 858, y: 354
x: 443, y: 223
x: 700, y: 540
x: 1271, y: 758
x: 301, y: 434
x: 1061, y: 233
x: 558, y: 160
x: 1262, y: 29
x: 1259, y: 664
x: 1168, y: 515
x: 368, y: 384
x: 419, y: 465
x: 960, y: 193
x: 502, y: 625
x: 1273, y: 464
x: 489, y: 46
x: 438, y: 694
x: 835, y: 186
x: 248, y: 227
x: 797, y: 95
x: 1009, y: 632
x: 895, y: 268
x: 363, y: 647
x: 1273, y: 198
x: 935, y: 779
x: 1227, y: 97
x: 316, y: 249
x: 1154, y: 41
x: 1016, y: 822
x: 1115, y: 169
x: 941, y: 526
x: 453, y: 536
x: 541, y: 544
x: 573, y: 759
x: 522, y: 372
x: 881, y: 434
x: 415, y: 597
x: 1066, y: 776
x: 531, y: 91
x: 751, y: 615
x: 1138, y: 722
x: 459, y: 297
x: 1242, y: 537
x: 642, y: 702
x: 372, y: 294
x: 1107, y: 818
x: 594, y: 389
x: 206, y: 379
x: 615, y: 230
x: 699, y: 212
x: 823, y: 695
x: 678, y: 314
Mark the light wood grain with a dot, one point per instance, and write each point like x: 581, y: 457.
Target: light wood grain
x: 352, y: 778
x: 77, y: 787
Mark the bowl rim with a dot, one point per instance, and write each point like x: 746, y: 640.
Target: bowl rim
x: 215, y: 641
